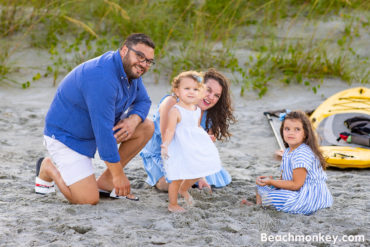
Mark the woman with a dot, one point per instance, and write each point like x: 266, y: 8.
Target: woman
x: 217, y: 114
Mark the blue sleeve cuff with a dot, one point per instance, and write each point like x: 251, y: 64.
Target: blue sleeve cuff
x: 140, y: 114
x: 112, y: 159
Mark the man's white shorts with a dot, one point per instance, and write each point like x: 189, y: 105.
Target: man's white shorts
x: 72, y: 166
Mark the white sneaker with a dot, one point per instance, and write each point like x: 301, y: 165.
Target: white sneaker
x: 41, y: 186
x: 44, y: 187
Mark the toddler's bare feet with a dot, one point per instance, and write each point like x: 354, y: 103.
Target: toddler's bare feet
x: 188, y: 198
x: 245, y: 202
x: 176, y: 209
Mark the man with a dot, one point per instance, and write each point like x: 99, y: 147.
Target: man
x: 100, y: 103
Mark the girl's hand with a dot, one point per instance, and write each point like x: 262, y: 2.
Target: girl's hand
x: 278, y: 155
x: 164, y: 151
x: 263, y: 180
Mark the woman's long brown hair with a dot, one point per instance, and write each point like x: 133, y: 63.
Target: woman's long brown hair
x: 221, y: 114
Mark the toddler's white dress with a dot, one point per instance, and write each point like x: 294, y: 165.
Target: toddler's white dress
x: 192, y: 154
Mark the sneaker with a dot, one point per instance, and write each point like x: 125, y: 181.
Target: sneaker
x: 41, y: 186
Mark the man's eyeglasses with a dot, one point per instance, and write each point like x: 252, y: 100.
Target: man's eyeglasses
x: 141, y: 57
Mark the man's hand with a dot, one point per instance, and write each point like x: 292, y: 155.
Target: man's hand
x: 121, y: 185
x: 126, y: 128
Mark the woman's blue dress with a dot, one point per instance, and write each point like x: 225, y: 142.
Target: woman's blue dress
x: 151, y: 155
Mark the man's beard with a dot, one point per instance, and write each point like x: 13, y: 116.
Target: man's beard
x: 127, y: 66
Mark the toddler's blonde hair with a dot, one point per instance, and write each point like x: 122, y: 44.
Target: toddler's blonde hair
x: 196, y: 76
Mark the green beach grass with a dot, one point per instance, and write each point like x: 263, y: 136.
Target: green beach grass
x: 195, y: 35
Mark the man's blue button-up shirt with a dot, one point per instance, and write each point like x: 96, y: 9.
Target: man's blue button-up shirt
x: 90, y: 101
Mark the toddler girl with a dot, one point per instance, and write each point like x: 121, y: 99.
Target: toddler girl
x: 187, y: 150
x: 302, y: 188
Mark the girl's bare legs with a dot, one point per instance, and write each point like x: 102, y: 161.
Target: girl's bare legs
x: 173, y: 191
x: 184, y: 190
x: 248, y: 203
x: 258, y: 199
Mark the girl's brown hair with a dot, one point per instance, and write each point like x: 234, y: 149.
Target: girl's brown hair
x: 220, y: 116
x: 310, y: 138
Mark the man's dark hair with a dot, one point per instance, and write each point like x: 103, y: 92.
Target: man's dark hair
x: 137, y: 38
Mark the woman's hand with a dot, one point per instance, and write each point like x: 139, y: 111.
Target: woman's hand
x: 202, y: 183
x: 213, y: 138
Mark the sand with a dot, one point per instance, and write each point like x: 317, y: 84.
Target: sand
x: 217, y: 219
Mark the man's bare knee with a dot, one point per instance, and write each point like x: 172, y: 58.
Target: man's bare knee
x: 92, y: 201
x: 147, y: 127
x: 84, y: 191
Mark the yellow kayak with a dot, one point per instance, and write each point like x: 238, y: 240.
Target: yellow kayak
x: 328, y: 118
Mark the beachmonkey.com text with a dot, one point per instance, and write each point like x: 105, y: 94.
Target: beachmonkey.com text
x: 312, y: 238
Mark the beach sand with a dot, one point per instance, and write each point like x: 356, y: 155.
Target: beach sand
x: 217, y: 219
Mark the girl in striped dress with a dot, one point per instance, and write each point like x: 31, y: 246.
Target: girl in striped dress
x: 302, y: 187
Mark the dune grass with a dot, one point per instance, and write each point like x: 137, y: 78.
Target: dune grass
x: 196, y: 35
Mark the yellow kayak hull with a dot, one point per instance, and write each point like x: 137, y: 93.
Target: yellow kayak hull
x: 354, y: 100
x: 346, y: 157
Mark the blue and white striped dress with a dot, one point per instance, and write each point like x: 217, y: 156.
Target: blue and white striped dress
x: 312, y: 196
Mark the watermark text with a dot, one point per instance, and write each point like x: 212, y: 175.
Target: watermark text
x: 318, y: 238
